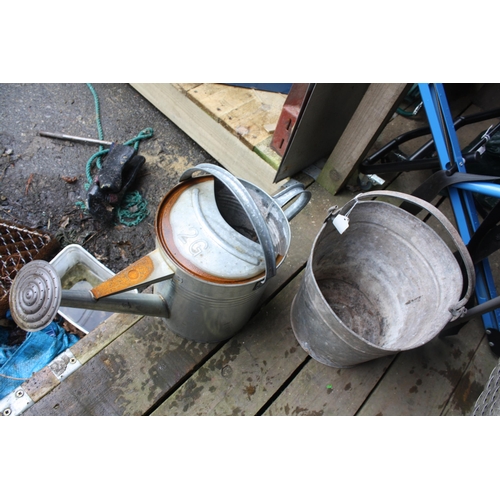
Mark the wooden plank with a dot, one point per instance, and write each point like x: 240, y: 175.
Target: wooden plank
x: 473, y: 381
x: 248, y: 122
x: 186, y: 87
x: 126, y: 377
x: 264, y: 150
x: 477, y: 374
x: 325, y: 391
x: 374, y: 111
x: 44, y: 381
x: 247, y: 113
x: 248, y: 370
x: 103, y: 335
x: 219, y: 100
x: 422, y: 380
x: 219, y: 142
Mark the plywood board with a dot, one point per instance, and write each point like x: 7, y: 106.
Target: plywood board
x: 226, y: 147
x: 247, y: 113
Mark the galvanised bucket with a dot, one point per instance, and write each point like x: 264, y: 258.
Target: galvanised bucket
x: 388, y: 283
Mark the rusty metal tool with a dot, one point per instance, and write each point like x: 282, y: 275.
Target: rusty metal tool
x: 66, y: 137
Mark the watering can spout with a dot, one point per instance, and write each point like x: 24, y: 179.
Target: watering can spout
x: 37, y: 294
x: 151, y: 268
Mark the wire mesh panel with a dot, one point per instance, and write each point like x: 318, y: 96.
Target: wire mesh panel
x: 18, y: 246
x: 488, y: 403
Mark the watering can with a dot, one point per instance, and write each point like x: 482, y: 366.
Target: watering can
x: 219, y: 240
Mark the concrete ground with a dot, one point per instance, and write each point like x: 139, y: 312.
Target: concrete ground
x: 43, y: 179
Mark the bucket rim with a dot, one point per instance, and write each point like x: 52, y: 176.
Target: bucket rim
x: 446, y: 314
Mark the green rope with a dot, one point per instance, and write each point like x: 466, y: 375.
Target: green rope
x: 143, y: 134
x: 133, y: 208
x: 88, y: 167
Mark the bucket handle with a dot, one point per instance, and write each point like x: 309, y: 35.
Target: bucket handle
x: 287, y: 194
x: 250, y: 208
x: 459, y: 309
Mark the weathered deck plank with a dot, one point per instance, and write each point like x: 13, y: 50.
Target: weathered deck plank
x: 126, y: 377
x: 322, y: 390
x: 421, y: 381
x: 248, y: 370
x: 473, y: 381
x: 42, y: 382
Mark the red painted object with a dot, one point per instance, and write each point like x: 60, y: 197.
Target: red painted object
x: 297, y: 98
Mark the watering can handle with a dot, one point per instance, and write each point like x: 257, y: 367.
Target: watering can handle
x: 458, y: 310
x: 287, y: 194
x: 250, y: 208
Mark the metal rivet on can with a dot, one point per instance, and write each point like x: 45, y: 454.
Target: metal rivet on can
x: 7, y: 412
x: 19, y: 394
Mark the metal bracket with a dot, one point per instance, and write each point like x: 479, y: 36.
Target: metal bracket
x: 64, y: 365
x: 15, y: 403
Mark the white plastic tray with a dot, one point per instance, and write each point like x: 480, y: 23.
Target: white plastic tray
x: 65, y: 262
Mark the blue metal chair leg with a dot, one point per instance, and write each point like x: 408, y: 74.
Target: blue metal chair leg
x: 451, y: 160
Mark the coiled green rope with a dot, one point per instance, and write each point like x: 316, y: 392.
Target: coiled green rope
x: 133, y: 199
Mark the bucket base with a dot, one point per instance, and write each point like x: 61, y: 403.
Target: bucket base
x: 353, y: 308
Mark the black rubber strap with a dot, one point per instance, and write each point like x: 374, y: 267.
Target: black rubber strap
x: 440, y: 180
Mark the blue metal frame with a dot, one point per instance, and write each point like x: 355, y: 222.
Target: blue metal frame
x: 450, y: 158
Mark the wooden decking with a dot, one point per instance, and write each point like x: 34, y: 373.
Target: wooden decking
x: 132, y: 365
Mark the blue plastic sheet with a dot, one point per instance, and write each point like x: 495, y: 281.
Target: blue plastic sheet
x: 18, y: 363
